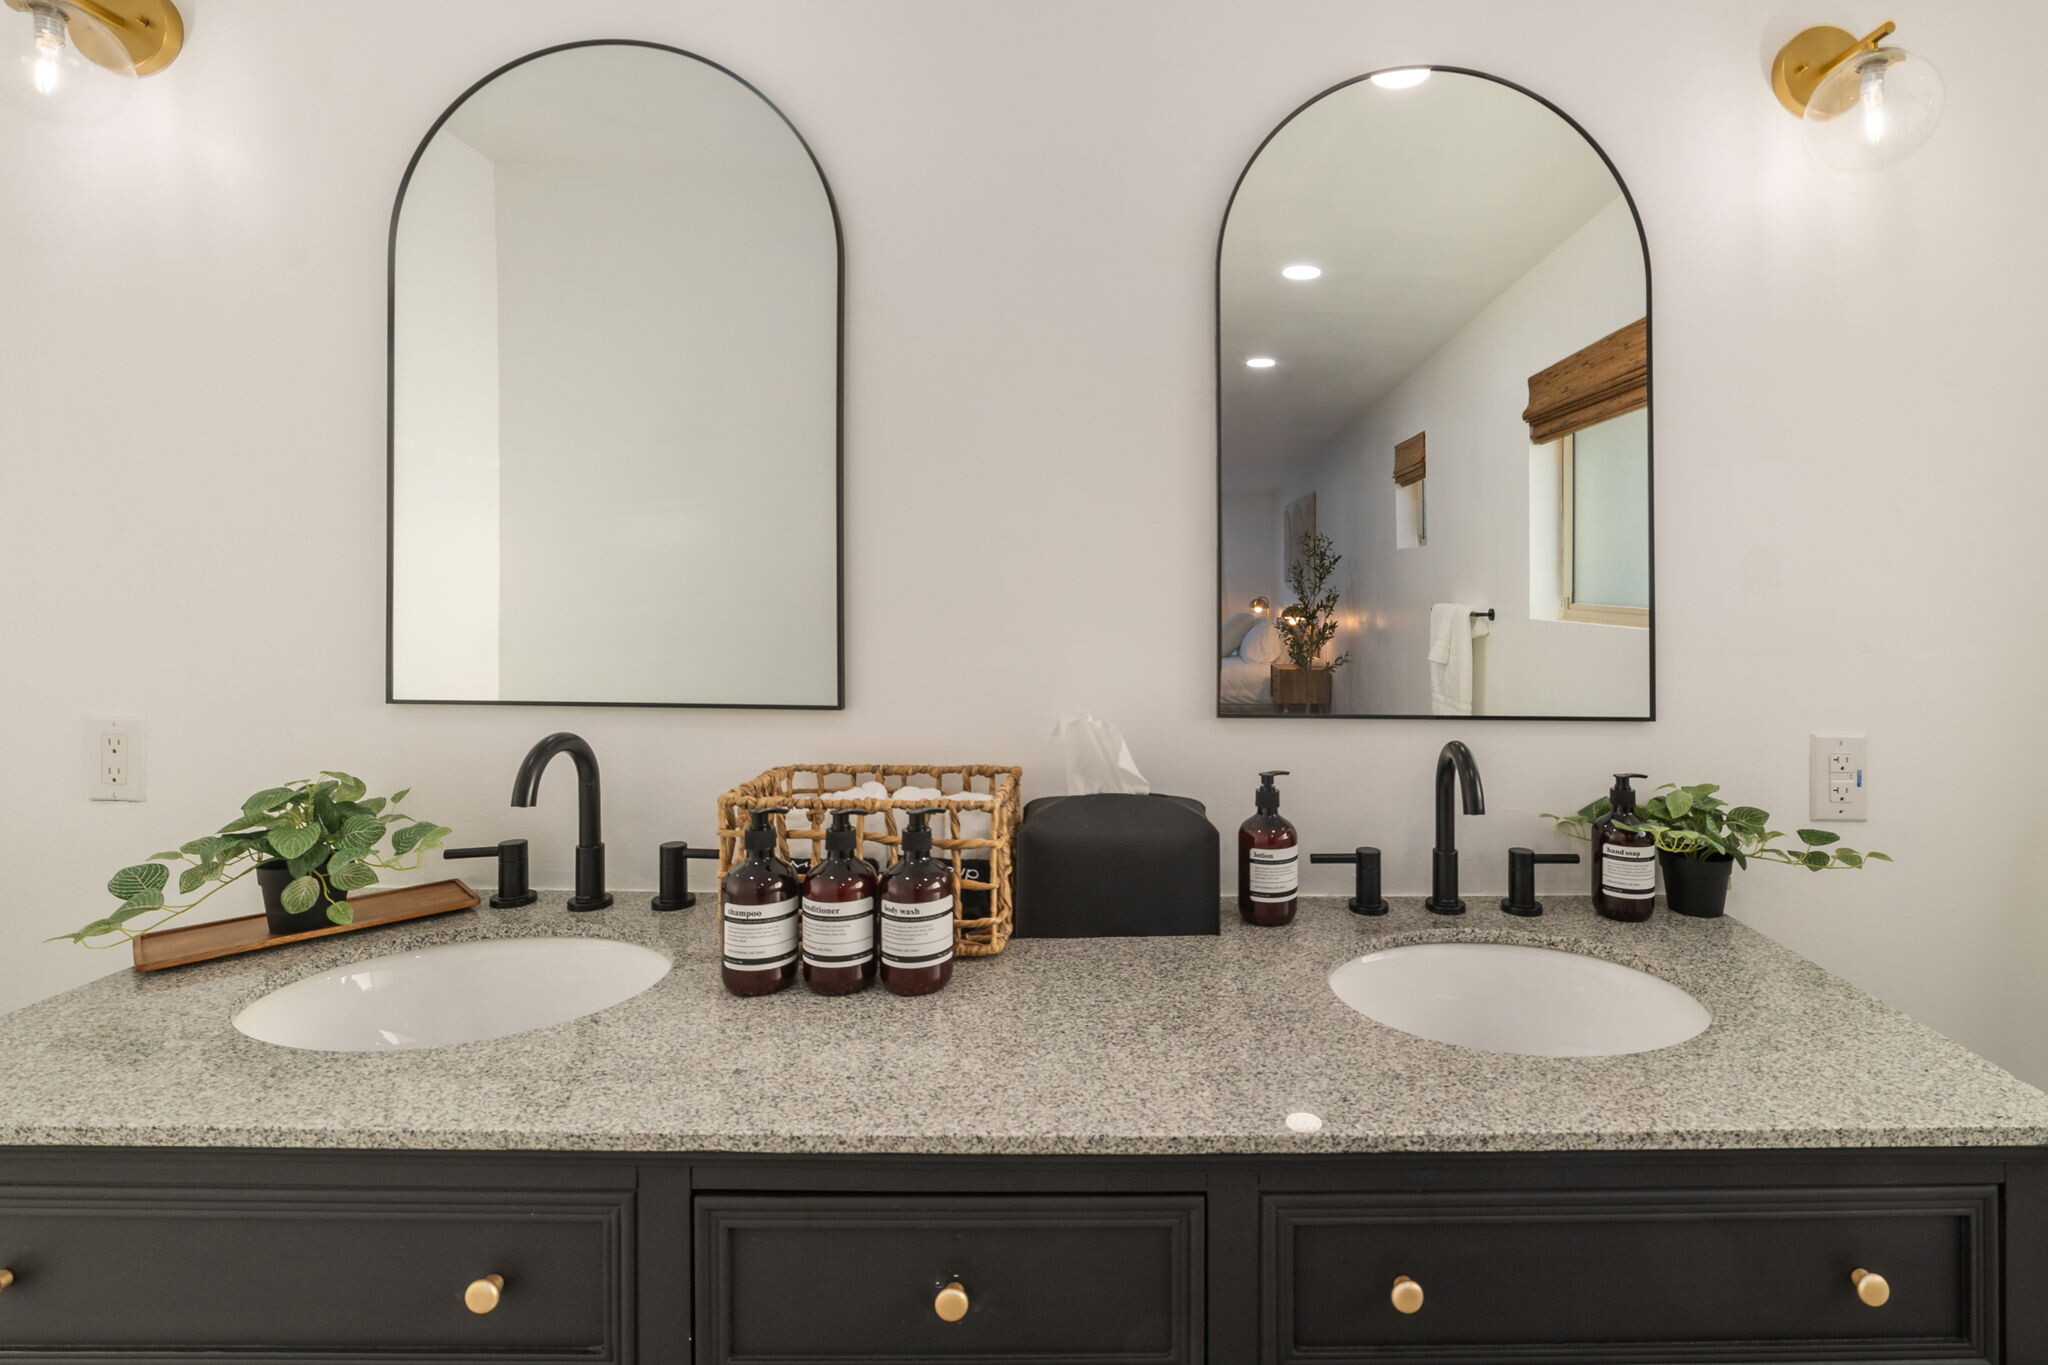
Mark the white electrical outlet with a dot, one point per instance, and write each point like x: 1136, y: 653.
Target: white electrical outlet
x: 1839, y: 765
x: 118, y: 751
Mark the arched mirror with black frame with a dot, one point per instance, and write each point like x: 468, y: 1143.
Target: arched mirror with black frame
x: 615, y: 469
x: 1433, y: 413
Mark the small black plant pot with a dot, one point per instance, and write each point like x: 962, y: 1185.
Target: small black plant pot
x: 1696, y: 886
x: 273, y: 877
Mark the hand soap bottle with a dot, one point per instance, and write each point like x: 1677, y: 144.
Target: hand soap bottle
x: 1268, y: 859
x: 1624, y: 860
x: 761, y: 909
x: 917, y: 915
x: 839, y: 914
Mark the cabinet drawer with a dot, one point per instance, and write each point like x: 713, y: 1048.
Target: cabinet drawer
x: 1702, y: 1275
x: 1075, y: 1281
x: 370, y: 1275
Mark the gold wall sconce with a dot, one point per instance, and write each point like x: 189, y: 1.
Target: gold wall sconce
x: 1865, y: 106
x: 1260, y: 606
x: 74, y: 61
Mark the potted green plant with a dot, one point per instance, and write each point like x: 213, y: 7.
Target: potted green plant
x: 1701, y: 840
x: 1308, y: 625
x: 309, y: 843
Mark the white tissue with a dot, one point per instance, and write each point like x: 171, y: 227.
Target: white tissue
x: 1098, y: 760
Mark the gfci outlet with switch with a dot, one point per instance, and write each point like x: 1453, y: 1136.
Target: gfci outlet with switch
x: 1840, y: 775
x: 117, y: 750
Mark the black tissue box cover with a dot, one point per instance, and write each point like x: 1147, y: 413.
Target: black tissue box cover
x: 1113, y: 866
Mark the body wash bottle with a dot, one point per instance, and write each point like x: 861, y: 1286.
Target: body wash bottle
x: 1268, y: 859
x: 1624, y: 860
x: 760, y: 907
x: 917, y: 915
x: 839, y: 914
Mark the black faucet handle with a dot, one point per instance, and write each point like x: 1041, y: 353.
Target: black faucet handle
x: 513, y: 888
x: 1368, y: 900
x: 675, y: 891
x: 1521, y: 899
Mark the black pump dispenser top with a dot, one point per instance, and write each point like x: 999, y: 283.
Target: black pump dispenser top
x: 1621, y: 797
x: 761, y: 834
x: 917, y: 835
x: 842, y: 837
x: 1267, y: 797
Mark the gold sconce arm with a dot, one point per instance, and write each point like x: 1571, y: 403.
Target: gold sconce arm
x: 150, y: 32
x: 1802, y: 64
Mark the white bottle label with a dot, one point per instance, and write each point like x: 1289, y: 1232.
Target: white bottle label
x: 760, y: 938
x: 1275, y: 874
x: 1627, y: 872
x: 917, y: 933
x: 839, y: 933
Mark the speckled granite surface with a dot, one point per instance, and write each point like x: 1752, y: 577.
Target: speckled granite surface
x: 1056, y: 1046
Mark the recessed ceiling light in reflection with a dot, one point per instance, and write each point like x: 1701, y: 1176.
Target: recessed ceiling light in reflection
x: 1402, y: 78
x: 1301, y: 272
x: 1261, y: 362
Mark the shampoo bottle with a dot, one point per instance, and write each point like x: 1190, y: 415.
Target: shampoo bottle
x: 761, y: 901
x: 1624, y: 860
x: 917, y: 915
x: 839, y: 914
x: 1268, y: 859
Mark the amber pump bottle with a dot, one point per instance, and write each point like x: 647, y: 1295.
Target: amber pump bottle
x: 839, y: 914
x: 917, y: 915
x: 1624, y: 860
x: 761, y: 908
x: 1268, y: 859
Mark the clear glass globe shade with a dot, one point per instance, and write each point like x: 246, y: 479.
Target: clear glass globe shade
x: 1873, y: 110
x: 44, y: 70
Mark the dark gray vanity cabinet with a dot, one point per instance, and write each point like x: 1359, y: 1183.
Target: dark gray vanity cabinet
x: 1666, y: 1258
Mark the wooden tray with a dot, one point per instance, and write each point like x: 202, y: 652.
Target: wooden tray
x: 224, y: 938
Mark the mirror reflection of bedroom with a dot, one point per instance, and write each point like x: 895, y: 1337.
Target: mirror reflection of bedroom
x: 1434, y: 422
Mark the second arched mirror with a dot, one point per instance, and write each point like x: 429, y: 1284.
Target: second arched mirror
x: 1433, y: 413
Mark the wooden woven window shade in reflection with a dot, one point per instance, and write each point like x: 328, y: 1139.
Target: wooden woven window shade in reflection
x: 1411, y: 460
x: 1604, y: 380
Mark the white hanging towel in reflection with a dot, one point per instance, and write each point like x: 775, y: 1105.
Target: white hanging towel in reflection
x: 1452, y: 629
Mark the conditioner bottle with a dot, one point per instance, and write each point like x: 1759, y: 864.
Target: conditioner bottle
x: 917, y: 915
x: 761, y: 902
x: 1624, y: 860
x: 839, y: 914
x: 1268, y: 859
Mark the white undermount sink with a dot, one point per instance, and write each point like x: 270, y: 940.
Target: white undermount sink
x: 452, y: 993
x: 1501, y: 997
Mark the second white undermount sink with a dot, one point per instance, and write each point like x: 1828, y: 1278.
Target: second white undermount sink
x: 1500, y: 997
x: 452, y: 993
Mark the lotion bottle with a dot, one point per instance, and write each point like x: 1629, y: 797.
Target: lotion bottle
x: 761, y: 907
x: 839, y: 914
x: 1624, y: 860
x: 917, y: 915
x: 1268, y: 859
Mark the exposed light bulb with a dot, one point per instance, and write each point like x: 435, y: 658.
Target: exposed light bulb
x: 1302, y: 272
x: 1402, y: 78
x: 1261, y: 362
x: 1870, y: 96
x: 49, y: 41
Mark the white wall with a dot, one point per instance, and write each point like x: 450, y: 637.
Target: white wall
x: 1250, y: 526
x: 1468, y: 396
x: 446, y: 526
x: 1031, y: 193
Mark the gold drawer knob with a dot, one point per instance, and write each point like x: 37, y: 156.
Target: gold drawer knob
x: 1407, y: 1295
x: 951, y: 1304
x: 6, y: 1278
x: 1871, y: 1287
x: 483, y: 1295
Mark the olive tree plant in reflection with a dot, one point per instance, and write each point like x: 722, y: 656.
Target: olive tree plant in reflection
x: 1310, y: 622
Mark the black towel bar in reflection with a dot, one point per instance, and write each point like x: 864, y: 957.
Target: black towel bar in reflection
x: 1488, y: 613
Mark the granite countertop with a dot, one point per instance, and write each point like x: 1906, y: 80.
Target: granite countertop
x: 1160, y: 1045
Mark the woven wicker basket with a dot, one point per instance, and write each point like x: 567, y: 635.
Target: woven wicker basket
x: 811, y: 790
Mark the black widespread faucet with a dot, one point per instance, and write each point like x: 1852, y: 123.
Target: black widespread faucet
x: 1453, y: 765
x: 590, y: 892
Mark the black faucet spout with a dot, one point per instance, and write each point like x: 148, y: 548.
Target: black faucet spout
x: 590, y: 892
x: 1455, y: 768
